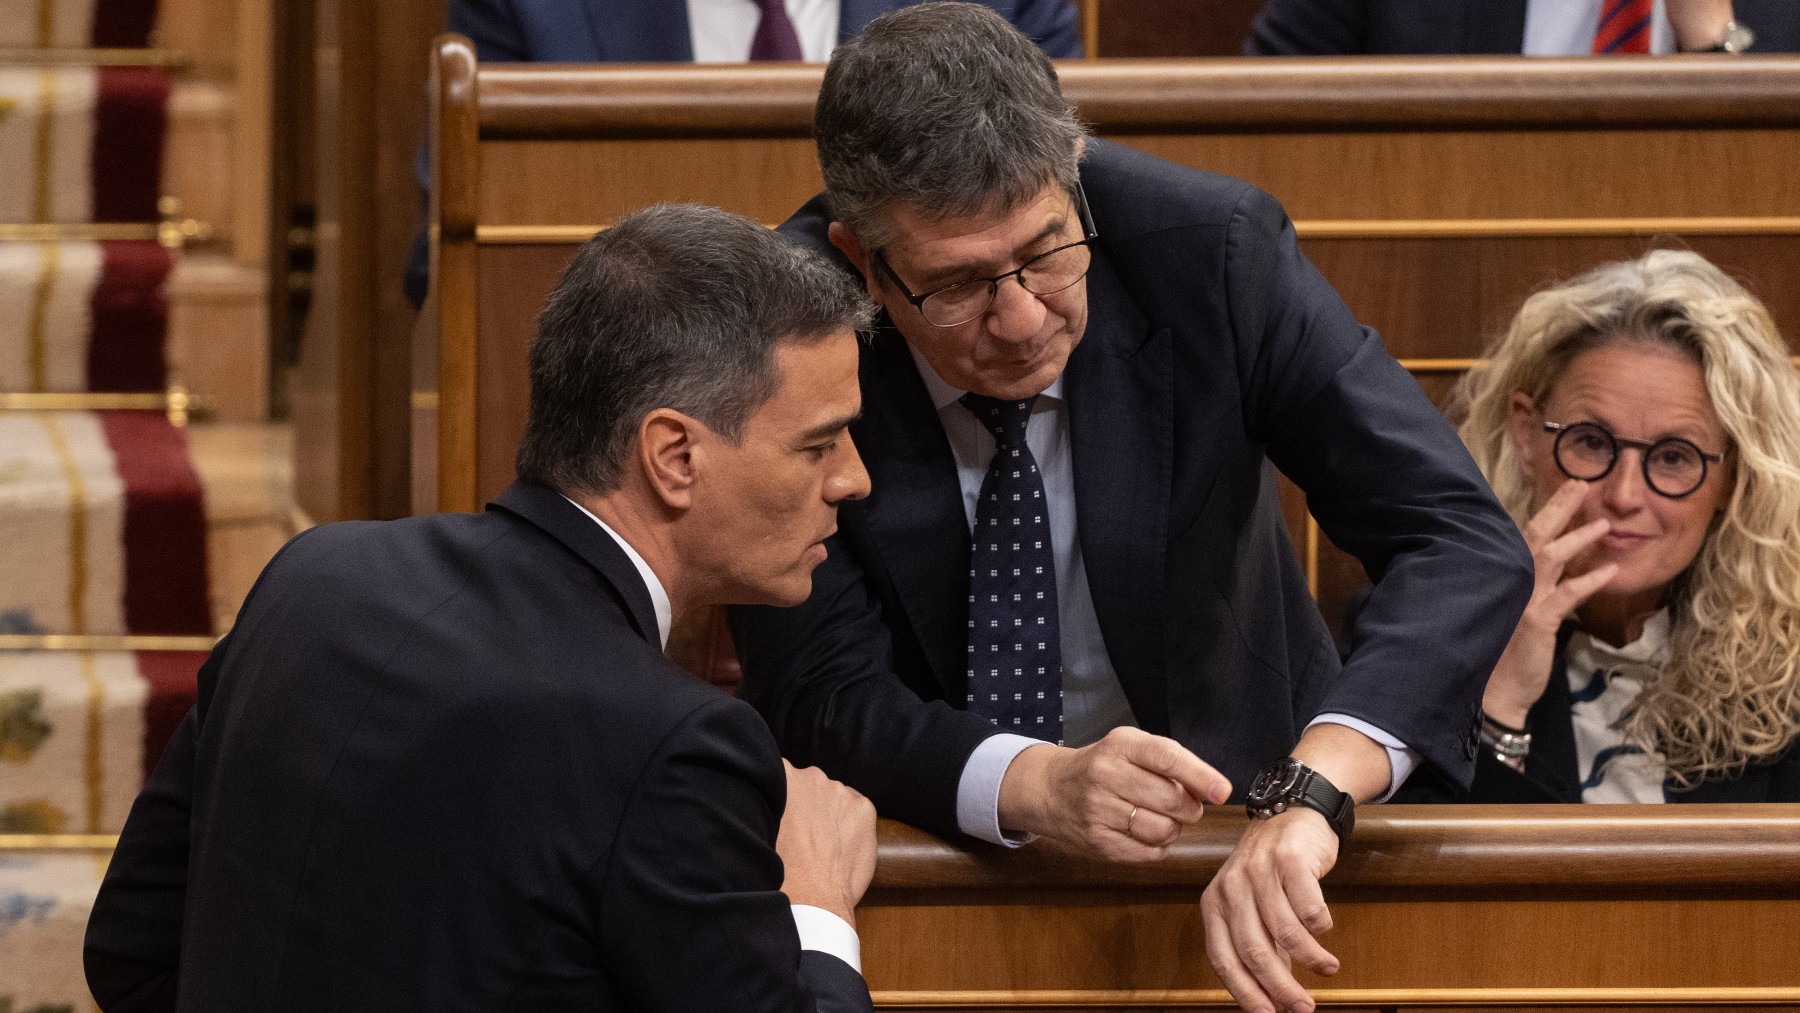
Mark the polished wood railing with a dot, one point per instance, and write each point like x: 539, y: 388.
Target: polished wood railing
x: 1498, y: 907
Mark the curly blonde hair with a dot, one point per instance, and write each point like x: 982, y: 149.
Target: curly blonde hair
x: 1730, y: 695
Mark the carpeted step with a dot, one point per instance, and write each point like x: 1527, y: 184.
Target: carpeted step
x: 83, y: 316
x: 106, y: 526
x: 81, y: 144
x: 77, y: 24
x: 80, y: 730
x: 45, y: 896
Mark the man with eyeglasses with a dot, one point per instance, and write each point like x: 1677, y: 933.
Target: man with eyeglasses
x: 1070, y: 607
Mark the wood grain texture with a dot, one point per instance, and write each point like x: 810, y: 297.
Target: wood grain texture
x: 1343, y: 94
x: 1432, y: 906
x: 455, y: 185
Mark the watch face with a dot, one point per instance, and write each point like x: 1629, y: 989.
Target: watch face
x: 1275, y: 781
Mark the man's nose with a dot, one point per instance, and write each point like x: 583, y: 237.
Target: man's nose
x: 1016, y: 315
x: 851, y: 480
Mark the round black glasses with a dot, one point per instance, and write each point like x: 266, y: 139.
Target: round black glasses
x: 1673, y: 467
x: 1045, y: 274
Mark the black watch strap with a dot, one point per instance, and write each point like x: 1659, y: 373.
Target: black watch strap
x: 1287, y: 782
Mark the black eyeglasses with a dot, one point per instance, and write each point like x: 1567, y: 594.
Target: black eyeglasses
x: 1045, y: 274
x: 1673, y: 467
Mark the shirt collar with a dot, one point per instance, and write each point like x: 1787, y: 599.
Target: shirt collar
x: 943, y: 395
x: 659, y: 598
x: 1650, y: 649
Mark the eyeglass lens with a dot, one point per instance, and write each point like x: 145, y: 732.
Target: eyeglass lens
x: 1043, y: 275
x: 1673, y: 467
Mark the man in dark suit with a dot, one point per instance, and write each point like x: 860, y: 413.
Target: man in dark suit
x: 1531, y: 27
x: 682, y: 31
x: 1128, y: 343
x: 442, y: 764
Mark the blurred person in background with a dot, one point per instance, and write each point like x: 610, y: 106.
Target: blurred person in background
x: 1530, y: 27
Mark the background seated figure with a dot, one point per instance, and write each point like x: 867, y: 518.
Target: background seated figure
x: 1642, y: 422
x: 1530, y: 27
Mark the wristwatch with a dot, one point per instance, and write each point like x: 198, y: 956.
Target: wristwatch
x: 1736, y: 39
x: 1287, y: 783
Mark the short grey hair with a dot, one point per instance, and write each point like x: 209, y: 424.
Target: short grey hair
x: 944, y: 108
x: 677, y: 306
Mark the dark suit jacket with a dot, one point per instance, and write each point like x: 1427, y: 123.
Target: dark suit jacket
x: 607, y: 31
x: 441, y: 764
x: 1396, y: 27
x: 1212, y: 348
x: 1552, y: 771
x: 589, y: 31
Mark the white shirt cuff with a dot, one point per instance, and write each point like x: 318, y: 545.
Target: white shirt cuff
x: 978, y: 793
x: 827, y: 933
x: 1402, y: 759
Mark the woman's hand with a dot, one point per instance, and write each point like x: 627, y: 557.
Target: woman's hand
x: 1524, y: 667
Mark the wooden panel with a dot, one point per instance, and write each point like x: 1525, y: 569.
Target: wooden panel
x: 1175, y: 27
x: 350, y: 390
x: 515, y: 280
x: 1504, y: 174
x: 1433, y: 906
x: 765, y: 179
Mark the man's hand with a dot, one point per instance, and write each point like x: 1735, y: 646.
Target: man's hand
x: 1698, y: 24
x: 1264, y: 908
x: 826, y: 843
x: 1123, y: 798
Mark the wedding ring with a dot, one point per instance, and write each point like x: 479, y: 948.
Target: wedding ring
x: 1128, y: 820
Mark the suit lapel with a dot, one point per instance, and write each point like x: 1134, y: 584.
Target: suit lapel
x: 914, y: 516
x: 643, y: 30
x: 1120, y: 387
x: 565, y: 522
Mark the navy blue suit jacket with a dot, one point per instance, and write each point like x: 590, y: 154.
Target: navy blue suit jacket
x: 611, y: 31
x: 1422, y: 27
x: 441, y: 764
x: 1212, y: 349
x: 589, y: 31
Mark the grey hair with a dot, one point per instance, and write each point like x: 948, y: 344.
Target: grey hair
x: 677, y: 306
x: 944, y: 108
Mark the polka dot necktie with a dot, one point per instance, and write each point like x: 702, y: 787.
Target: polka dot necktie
x: 1015, y: 656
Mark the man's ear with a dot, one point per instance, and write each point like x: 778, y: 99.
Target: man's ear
x: 851, y: 247
x: 666, y: 445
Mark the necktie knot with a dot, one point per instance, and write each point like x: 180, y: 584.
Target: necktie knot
x: 1006, y: 419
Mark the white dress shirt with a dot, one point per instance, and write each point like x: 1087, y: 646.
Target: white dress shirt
x: 819, y: 929
x: 722, y: 29
x: 1093, y: 700
x: 1566, y: 28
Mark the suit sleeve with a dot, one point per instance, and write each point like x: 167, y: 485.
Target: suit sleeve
x: 1309, y: 28
x: 1051, y: 24
x: 133, y: 946
x: 692, y: 916
x: 1389, y: 482
x: 823, y: 676
x: 492, y: 26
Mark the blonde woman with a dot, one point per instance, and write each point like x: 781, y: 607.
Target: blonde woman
x: 1642, y: 424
